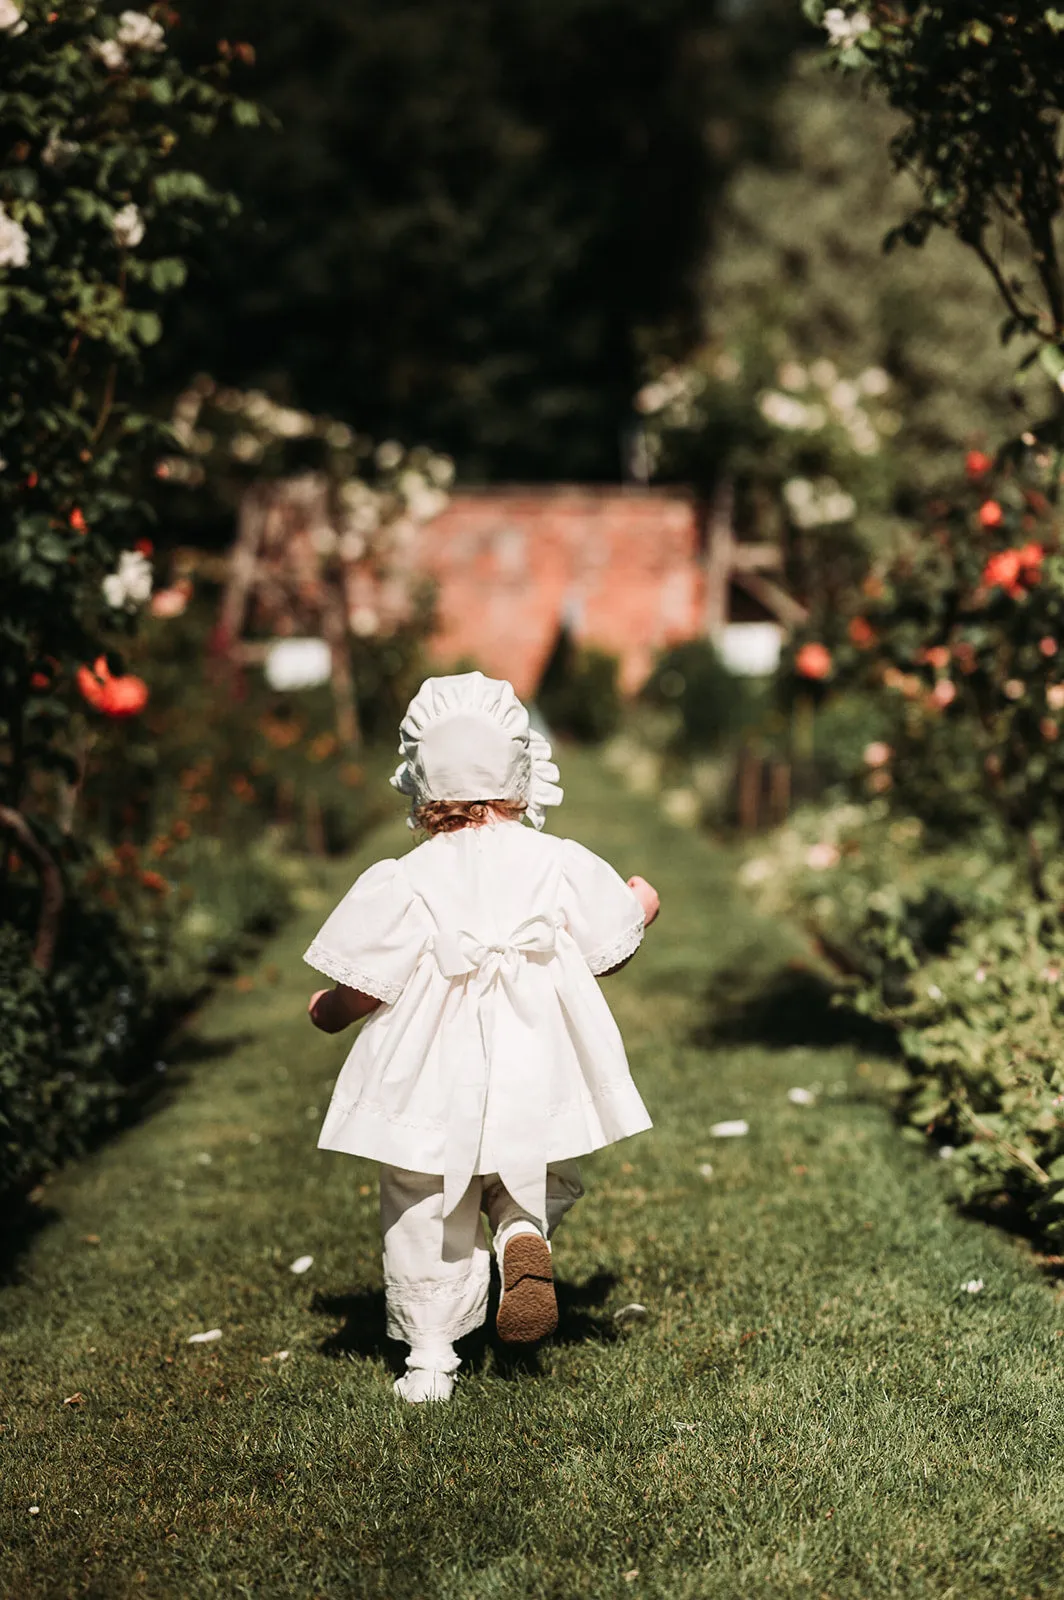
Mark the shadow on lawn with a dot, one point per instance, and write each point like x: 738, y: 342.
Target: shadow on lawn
x: 362, y: 1332
x: 145, y: 1091
x: 792, y: 1006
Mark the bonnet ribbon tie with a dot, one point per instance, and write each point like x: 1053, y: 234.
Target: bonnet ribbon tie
x: 488, y: 968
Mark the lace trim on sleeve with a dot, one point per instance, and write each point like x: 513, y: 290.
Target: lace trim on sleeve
x: 323, y: 960
x: 608, y: 956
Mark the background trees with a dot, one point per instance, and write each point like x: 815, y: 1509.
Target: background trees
x: 474, y: 214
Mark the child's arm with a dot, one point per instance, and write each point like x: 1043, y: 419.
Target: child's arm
x: 332, y: 1010
x: 648, y: 898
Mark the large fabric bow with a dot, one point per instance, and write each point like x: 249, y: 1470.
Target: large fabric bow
x: 492, y: 972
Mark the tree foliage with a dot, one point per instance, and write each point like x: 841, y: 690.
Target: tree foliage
x: 474, y: 212
x: 980, y: 90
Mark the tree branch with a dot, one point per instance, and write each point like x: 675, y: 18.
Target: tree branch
x: 51, y: 887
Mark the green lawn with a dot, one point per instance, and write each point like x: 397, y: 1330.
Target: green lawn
x: 813, y: 1406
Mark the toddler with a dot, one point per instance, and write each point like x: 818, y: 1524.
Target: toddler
x: 490, y: 1059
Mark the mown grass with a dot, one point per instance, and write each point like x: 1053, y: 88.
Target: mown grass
x: 813, y: 1407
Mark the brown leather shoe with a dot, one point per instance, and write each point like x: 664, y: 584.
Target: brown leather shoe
x: 528, y: 1310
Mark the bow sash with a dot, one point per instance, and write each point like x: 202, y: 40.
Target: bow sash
x: 491, y: 972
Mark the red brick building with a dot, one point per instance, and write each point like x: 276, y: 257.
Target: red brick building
x: 621, y: 568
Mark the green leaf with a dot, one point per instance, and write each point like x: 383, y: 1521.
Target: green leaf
x: 148, y: 327
x: 171, y: 186
x: 51, y: 546
x: 168, y: 273
x: 246, y: 114
x: 1055, y: 20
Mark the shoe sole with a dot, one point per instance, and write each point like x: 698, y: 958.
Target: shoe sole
x: 528, y: 1310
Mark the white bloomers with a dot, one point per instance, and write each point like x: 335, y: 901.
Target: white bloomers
x: 436, y: 1268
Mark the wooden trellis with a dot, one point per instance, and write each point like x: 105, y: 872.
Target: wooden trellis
x: 287, y: 576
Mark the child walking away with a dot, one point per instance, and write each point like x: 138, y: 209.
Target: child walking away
x: 490, y: 1059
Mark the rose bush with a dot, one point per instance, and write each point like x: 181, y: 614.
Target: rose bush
x: 101, y: 202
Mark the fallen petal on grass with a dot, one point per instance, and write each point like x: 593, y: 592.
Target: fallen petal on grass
x: 633, y: 1313
x: 74, y: 1399
x: 730, y: 1130
x: 301, y: 1264
x: 973, y: 1286
x: 205, y: 1338
x: 801, y: 1097
x: 706, y: 1169
x: 278, y: 1355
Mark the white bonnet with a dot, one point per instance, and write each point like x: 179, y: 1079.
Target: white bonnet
x: 468, y: 737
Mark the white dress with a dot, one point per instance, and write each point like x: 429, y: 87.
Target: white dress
x: 494, y: 1050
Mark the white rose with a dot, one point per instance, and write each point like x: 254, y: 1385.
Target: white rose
x: 388, y: 455
x: 845, y: 31
x: 783, y: 411
x: 792, y: 375
x: 11, y: 18
x: 130, y: 585
x: 58, y: 152
x: 14, y: 241
x: 128, y: 227
x: 138, y: 32
x: 291, y: 424
x: 245, y: 447
x: 874, y: 381
x: 110, y: 53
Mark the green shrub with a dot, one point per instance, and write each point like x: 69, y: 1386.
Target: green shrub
x: 65, y: 1042
x: 955, y: 952
x: 711, y: 703
x: 579, y: 696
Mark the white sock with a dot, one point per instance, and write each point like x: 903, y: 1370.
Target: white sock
x: 430, y: 1370
x: 509, y: 1230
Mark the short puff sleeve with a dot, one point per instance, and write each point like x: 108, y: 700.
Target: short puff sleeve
x: 602, y: 914
x: 373, y: 940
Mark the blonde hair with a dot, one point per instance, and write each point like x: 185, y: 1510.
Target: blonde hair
x: 447, y: 816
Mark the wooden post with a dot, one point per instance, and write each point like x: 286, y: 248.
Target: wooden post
x: 719, y: 559
x: 750, y: 775
x: 315, y: 824
x: 780, y: 791
x: 334, y: 629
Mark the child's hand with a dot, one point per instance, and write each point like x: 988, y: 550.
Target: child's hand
x: 332, y: 1010
x: 648, y: 898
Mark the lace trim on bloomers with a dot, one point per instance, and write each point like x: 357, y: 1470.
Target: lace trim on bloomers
x: 323, y: 960
x: 608, y: 956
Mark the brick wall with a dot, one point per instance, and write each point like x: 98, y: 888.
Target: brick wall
x: 620, y: 567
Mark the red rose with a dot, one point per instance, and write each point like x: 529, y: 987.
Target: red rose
x: 77, y: 521
x: 1014, y: 570
x: 861, y: 632
x: 813, y: 661
x: 124, y: 696
x: 990, y: 514
x: 977, y: 464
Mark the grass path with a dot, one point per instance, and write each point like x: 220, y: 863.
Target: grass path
x: 812, y: 1408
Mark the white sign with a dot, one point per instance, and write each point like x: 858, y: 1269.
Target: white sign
x: 298, y: 664
x: 750, y: 649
